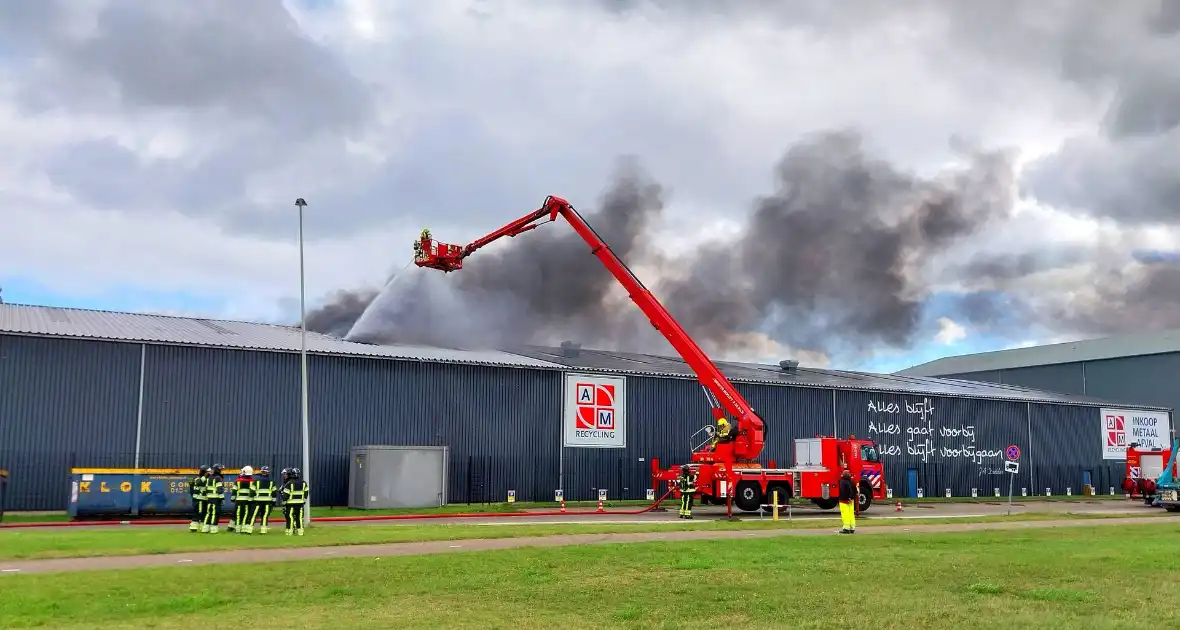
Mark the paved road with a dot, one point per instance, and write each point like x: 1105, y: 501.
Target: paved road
x: 24, y: 567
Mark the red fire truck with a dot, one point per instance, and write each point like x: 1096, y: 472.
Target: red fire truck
x: 1144, y: 467
x: 727, y: 470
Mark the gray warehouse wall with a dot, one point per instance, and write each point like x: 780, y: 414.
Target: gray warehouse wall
x: 75, y: 403
x: 61, y: 400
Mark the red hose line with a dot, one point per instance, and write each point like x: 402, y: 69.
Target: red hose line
x: 347, y: 519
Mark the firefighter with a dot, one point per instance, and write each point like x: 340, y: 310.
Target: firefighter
x: 294, y: 495
x: 847, y: 503
x: 687, y: 483
x: 243, y: 496
x: 263, y: 500
x: 196, y: 491
x: 214, y: 495
x: 722, y: 433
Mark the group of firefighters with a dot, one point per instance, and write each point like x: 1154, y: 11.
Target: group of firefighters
x: 253, y: 495
x: 687, y: 485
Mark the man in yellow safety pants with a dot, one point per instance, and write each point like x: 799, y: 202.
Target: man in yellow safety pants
x: 687, y: 484
x: 847, y: 503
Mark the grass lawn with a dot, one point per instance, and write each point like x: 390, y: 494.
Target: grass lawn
x: 502, y: 508
x: 1092, y: 578
x: 120, y: 541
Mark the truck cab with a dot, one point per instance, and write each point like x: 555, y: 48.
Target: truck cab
x: 820, y: 461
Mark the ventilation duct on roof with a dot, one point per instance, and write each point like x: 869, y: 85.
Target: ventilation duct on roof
x: 570, y: 349
x: 789, y: 366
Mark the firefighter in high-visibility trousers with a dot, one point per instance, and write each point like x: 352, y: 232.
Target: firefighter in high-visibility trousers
x: 214, y: 495
x: 294, y: 495
x: 196, y: 492
x: 847, y: 503
x: 264, y: 499
x: 243, y: 495
x: 687, y: 484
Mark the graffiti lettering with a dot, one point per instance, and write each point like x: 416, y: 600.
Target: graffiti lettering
x: 961, y: 432
x: 883, y: 407
x: 885, y: 429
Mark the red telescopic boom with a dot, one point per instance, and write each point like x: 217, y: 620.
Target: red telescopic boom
x: 723, y: 396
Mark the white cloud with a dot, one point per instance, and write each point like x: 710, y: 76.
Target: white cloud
x: 949, y: 331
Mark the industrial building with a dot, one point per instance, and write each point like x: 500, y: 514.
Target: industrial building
x: 82, y: 388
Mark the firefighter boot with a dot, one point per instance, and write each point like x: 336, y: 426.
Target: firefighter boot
x: 289, y: 532
x: 263, y: 529
x: 204, y: 529
x: 212, y: 529
x: 299, y: 532
x: 248, y: 528
x: 193, y: 526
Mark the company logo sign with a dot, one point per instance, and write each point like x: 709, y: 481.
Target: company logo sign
x: 1116, y: 432
x: 595, y: 411
x: 596, y: 406
x: 1122, y: 427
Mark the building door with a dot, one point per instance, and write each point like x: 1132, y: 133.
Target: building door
x: 1087, y: 479
x: 912, y: 482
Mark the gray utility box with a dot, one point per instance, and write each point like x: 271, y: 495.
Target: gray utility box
x: 382, y: 477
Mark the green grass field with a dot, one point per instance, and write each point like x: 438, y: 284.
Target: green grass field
x: 119, y: 541
x: 502, y: 508
x: 1093, y: 578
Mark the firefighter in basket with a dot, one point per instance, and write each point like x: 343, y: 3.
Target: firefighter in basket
x: 723, y: 433
x: 687, y: 484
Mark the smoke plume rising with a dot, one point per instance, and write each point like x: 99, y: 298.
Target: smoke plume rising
x: 851, y: 253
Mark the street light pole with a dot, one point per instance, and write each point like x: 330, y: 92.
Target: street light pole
x: 300, y: 204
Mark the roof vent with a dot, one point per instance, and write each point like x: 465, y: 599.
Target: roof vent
x: 789, y: 366
x: 570, y: 349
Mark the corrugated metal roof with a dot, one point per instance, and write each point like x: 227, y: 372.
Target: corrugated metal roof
x: 167, y: 329
x: 1138, y: 344
x: 651, y: 365
x: 92, y: 324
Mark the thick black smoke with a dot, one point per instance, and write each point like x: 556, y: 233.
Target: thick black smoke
x: 834, y: 260
x: 831, y: 262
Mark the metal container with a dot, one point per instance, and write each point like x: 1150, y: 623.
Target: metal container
x: 382, y: 477
x: 129, y: 492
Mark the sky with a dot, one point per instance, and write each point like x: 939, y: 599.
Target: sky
x: 856, y: 185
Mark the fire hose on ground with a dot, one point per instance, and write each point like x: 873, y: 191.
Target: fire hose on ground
x: 359, y: 518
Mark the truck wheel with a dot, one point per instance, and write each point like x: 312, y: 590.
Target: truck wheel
x: 748, y: 497
x: 865, y: 497
x: 784, y: 495
x: 1172, y: 508
x: 826, y: 504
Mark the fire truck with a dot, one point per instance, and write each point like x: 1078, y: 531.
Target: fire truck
x: 1144, y: 468
x: 726, y: 467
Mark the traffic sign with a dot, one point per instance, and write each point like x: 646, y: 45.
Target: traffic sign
x: 1013, y: 452
x: 1012, y: 467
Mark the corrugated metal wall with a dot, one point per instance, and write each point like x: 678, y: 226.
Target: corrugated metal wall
x: 955, y: 443
x: 63, y: 400
x: 1067, y: 444
x: 67, y: 401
